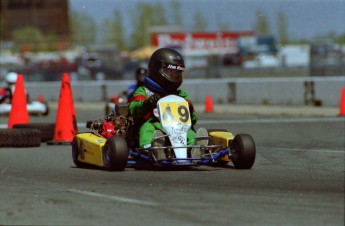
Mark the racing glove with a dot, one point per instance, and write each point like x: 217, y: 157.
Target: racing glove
x: 4, y: 97
x: 151, y: 102
x: 191, y: 108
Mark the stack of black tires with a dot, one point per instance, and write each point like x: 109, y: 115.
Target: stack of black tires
x: 27, y: 135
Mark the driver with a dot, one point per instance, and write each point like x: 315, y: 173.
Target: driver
x: 164, y: 77
x: 140, y: 75
x: 7, y: 92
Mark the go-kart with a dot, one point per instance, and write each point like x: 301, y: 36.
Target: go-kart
x: 113, y: 141
x: 35, y: 107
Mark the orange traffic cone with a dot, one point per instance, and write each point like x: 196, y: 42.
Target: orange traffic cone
x: 66, y: 124
x: 342, y: 103
x: 19, y: 111
x: 208, y: 104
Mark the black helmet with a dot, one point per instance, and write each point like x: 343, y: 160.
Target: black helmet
x: 166, y: 67
x: 140, y: 75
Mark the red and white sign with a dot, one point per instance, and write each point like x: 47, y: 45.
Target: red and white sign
x: 216, y: 42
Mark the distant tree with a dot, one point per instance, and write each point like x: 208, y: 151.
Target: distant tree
x: 49, y: 43
x: 282, y: 28
x: 113, y: 31
x: 145, y: 17
x: 177, y: 16
x: 83, y: 28
x: 200, y: 23
x: 159, y: 16
x: 221, y: 25
x: 262, y: 25
x: 142, y: 19
x: 107, y: 31
x: 34, y: 39
x: 341, y: 39
x: 118, y: 31
x: 27, y: 35
x: 332, y: 36
x: 299, y: 41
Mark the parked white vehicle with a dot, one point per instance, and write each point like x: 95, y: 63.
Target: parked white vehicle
x: 34, y: 108
x: 263, y: 60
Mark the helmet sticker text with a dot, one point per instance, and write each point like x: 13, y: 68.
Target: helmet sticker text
x: 170, y: 66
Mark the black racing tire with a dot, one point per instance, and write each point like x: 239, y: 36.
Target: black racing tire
x: 48, y: 109
x: 221, y: 163
x: 115, y: 153
x: 47, y: 129
x: 20, y: 138
x: 244, y: 151
x: 75, y: 153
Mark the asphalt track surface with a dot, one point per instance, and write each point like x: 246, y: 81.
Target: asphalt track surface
x: 297, y: 179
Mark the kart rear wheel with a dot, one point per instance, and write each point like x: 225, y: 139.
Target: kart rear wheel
x: 221, y: 163
x: 47, y: 109
x: 244, y: 151
x: 115, y: 153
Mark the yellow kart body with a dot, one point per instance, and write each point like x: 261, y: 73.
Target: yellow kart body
x: 89, y: 146
x: 223, y: 138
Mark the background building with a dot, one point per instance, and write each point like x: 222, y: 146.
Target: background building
x: 49, y: 16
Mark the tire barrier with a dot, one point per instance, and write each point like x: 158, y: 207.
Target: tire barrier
x: 20, y: 137
x: 47, y: 129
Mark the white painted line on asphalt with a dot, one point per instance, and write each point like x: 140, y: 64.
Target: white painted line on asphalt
x: 115, y: 198
x: 3, y: 171
x: 306, y: 150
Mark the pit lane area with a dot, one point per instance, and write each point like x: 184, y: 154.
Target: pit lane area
x: 297, y: 179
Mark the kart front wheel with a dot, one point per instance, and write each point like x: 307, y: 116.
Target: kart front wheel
x: 243, y: 151
x: 76, y: 151
x: 47, y: 111
x: 115, y: 153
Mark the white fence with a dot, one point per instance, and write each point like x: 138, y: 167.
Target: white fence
x: 285, y: 91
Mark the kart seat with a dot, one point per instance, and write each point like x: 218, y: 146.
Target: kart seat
x: 122, y: 109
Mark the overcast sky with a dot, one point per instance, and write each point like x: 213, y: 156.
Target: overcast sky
x: 305, y: 18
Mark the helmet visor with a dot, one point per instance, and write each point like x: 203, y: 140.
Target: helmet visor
x: 172, y: 72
